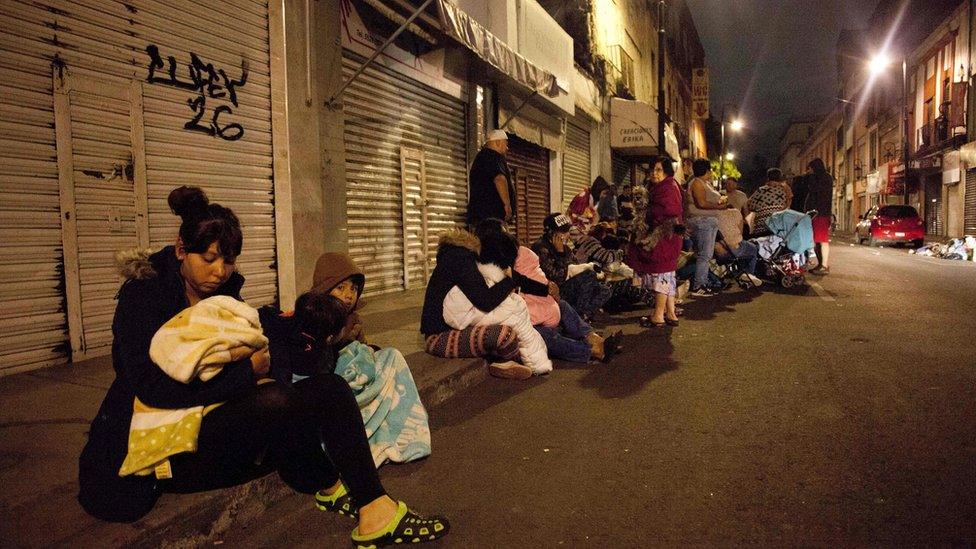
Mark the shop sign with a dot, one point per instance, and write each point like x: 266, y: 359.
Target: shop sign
x: 699, y: 93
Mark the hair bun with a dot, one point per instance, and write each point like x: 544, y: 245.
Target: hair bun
x: 188, y: 201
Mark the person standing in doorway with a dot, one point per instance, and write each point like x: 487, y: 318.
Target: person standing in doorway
x: 820, y: 190
x: 491, y: 189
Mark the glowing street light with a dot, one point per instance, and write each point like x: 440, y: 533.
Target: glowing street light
x: 879, y: 63
x: 736, y: 126
x: 730, y: 156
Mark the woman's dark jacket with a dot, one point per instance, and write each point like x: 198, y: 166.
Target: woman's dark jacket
x: 554, y: 264
x: 153, y: 294
x: 457, y: 265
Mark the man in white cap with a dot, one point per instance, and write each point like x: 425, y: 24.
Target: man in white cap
x: 491, y: 190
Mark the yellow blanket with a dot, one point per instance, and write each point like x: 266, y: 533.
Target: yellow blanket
x: 201, y: 339
x: 197, y: 342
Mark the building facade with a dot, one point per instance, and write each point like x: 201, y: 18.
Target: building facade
x: 273, y: 109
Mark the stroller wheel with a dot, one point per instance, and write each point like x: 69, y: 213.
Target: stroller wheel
x: 786, y: 282
x: 801, y: 280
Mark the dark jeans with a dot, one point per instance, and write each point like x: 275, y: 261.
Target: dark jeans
x: 585, y: 292
x: 283, y: 428
x: 568, y: 344
x: 746, y: 256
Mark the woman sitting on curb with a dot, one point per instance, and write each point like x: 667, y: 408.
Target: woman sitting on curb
x: 567, y: 336
x: 255, y: 429
x: 457, y: 266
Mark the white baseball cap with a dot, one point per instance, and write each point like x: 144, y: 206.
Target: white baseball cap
x: 497, y: 135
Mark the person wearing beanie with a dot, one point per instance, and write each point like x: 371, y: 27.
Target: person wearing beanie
x: 774, y: 196
x: 491, y: 190
x: 581, y: 289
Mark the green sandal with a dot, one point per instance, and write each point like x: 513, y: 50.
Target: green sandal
x: 406, y: 527
x: 338, y: 502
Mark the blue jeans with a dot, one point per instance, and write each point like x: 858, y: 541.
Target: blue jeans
x: 747, y: 254
x: 703, y: 230
x: 569, y: 344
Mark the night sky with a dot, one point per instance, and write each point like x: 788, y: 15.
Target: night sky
x: 775, y: 58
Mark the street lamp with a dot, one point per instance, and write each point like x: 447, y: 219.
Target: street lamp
x: 878, y: 64
x: 730, y: 156
x: 736, y: 126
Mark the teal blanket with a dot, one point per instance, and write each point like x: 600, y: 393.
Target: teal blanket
x: 394, y: 416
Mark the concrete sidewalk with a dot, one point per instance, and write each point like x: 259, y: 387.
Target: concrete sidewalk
x: 44, y: 420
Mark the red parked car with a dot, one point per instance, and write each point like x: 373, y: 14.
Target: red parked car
x: 890, y: 224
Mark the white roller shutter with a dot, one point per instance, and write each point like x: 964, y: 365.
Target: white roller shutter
x: 576, y: 160
x: 111, y: 42
x: 33, y: 319
x: 384, y: 113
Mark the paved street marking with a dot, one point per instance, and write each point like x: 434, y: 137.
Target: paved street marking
x: 824, y: 294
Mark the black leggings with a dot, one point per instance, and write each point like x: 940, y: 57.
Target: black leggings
x: 283, y: 428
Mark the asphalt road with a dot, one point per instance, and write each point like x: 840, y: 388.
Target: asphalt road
x: 841, y: 413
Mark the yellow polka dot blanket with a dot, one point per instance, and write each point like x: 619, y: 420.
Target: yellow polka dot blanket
x: 196, y: 343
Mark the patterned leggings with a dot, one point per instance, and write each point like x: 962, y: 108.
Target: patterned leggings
x: 495, y: 341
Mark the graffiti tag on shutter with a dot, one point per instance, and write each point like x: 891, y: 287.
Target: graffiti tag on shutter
x: 206, y: 81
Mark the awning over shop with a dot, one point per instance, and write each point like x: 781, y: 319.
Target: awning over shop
x: 633, y: 127
x: 530, y: 123
x: 461, y: 27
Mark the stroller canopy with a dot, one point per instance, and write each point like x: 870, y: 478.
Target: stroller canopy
x: 795, y: 228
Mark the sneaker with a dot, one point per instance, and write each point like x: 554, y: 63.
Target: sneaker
x: 703, y: 292
x: 509, y: 370
x: 751, y: 279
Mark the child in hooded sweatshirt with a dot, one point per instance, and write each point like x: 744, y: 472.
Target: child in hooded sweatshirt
x: 576, y: 341
x: 303, y: 341
x: 325, y: 332
x: 498, y: 252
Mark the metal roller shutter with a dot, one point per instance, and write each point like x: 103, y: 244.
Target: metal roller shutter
x: 103, y: 189
x: 620, y: 170
x: 185, y: 119
x: 400, y: 134
x: 969, y: 214
x: 33, y: 320
x: 529, y: 164
x: 576, y: 161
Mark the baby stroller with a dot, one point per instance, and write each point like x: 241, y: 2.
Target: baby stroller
x: 783, y: 253
x: 728, y: 267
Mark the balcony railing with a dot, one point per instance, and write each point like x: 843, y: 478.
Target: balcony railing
x: 937, y: 135
x: 623, y: 68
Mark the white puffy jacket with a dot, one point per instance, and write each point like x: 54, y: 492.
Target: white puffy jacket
x: 459, y: 314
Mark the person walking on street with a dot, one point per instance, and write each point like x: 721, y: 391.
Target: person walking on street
x: 820, y: 189
x: 491, y: 189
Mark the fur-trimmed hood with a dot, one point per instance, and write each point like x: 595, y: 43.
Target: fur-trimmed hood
x: 459, y: 238
x: 134, y: 264
x: 145, y: 264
